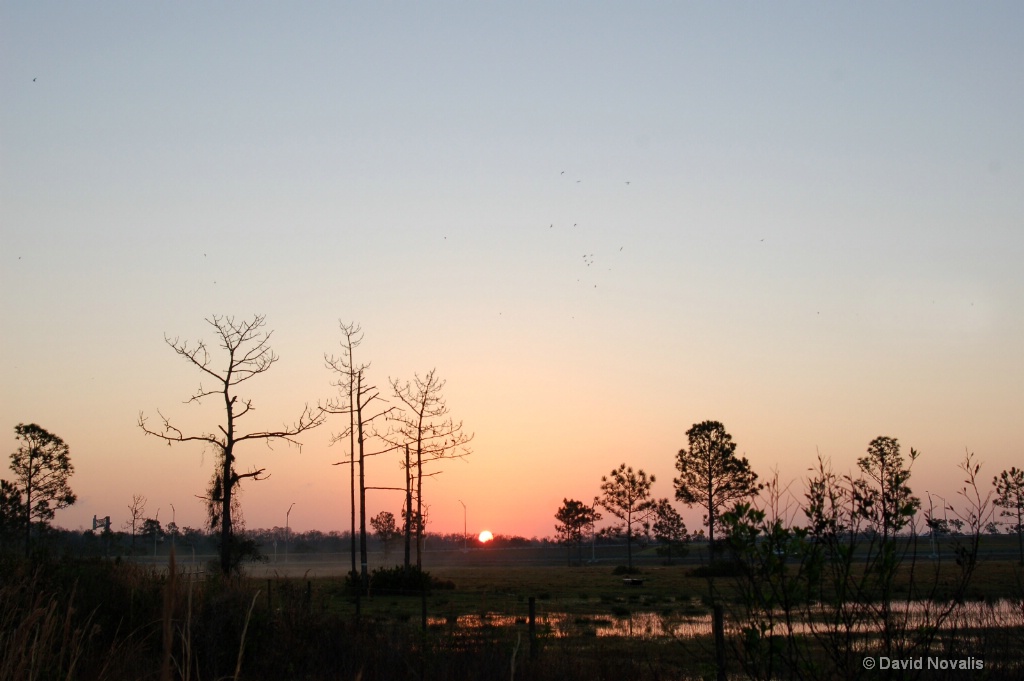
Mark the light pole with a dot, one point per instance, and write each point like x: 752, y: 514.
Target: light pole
x: 465, y: 525
x: 931, y: 523
x: 286, y: 531
x: 945, y: 517
x: 174, y: 516
x: 156, y: 530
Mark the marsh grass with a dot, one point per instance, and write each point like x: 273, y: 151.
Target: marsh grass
x: 111, y: 621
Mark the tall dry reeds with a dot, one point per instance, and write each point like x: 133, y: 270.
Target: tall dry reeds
x: 38, y: 636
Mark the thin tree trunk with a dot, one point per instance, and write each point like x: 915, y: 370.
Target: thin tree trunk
x: 408, y: 510
x: 352, y: 453
x: 419, y: 513
x: 363, y: 573
x: 1020, y: 533
x: 28, y: 505
x: 419, y: 497
x: 711, y: 523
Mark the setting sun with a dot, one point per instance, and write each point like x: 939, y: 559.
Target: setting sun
x: 486, y: 536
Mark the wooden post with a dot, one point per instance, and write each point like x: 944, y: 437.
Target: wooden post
x: 719, y: 629
x: 533, y: 627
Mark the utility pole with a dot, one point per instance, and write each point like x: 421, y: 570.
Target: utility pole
x: 287, y: 531
x: 174, y: 516
x: 465, y: 526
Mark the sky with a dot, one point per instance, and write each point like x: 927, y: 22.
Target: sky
x: 601, y: 223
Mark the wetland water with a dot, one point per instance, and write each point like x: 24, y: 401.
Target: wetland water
x: 1001, y: 614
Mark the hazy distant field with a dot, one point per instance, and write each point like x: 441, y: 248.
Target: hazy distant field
x: 999, y: 548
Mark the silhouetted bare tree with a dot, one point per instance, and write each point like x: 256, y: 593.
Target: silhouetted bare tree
x: 136, y: 516
x: 364, y: 405
x: 347, y: 371
x: 424, y: 427
x: 248, y: 355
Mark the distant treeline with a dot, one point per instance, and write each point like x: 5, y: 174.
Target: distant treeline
x: 267, y: 541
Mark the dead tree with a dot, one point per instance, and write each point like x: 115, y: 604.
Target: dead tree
x: 424, y: 425
x: 248, y: 355
x: 364, y: 405
x: 346, y: 384
x: 137, y: 513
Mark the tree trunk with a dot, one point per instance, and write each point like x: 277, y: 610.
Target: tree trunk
x: 419, y: 505
x: 352, y: 455
x: 711, y: 523
x: 1020, y: 533
x: 28, y: 505
x: 408, y: 510
x: 225, y: 512
x: 363, y: 573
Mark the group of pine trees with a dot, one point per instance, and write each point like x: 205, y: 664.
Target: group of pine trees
x: 714, y: 478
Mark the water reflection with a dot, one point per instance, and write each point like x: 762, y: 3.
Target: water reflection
x: 817, y: 619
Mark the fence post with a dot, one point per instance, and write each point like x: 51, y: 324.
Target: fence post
x: 719, y: 629
x: 533, y: 627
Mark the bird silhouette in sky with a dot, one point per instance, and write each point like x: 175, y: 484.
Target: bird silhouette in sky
x: 33, y: 80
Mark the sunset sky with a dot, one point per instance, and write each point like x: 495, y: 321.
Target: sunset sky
x: 600, y: 222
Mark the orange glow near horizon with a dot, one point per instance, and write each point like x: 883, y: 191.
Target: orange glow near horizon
x: 486, y: 536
